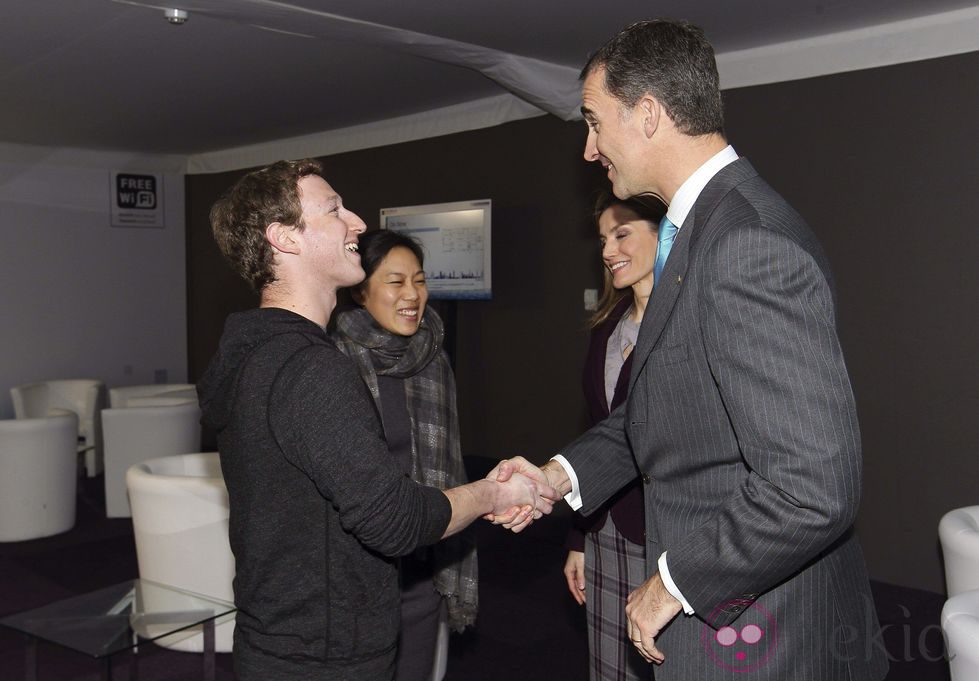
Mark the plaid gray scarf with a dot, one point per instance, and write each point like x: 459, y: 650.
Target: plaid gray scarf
x: 430, y: 395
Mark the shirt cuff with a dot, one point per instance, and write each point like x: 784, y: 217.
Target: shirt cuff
x: 574, y: 496
x: 664, y: 574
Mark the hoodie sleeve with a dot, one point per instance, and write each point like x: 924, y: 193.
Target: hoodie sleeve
x: 322, y: 418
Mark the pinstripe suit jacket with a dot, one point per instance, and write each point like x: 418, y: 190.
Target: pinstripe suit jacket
x: 742, y: 423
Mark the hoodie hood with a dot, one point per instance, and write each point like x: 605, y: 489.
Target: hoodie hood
x: 243, y: 333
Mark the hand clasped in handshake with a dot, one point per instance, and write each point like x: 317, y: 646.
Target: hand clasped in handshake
x: 524, y: 494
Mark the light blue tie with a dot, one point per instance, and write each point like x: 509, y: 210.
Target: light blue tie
x: 667, y: 232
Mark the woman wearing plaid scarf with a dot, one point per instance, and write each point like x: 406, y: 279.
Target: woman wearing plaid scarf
x: 396, y: 342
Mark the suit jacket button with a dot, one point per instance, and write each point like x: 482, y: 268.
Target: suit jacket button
x: 645, y: 478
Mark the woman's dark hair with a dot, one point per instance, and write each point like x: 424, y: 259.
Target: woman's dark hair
x: 651, y: 210
x: 374, y: 247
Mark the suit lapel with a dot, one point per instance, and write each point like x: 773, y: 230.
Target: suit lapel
x: 667, y: 291
x: 664, y: 297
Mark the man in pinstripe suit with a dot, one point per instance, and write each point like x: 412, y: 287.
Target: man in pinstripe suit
x: 740, y: 418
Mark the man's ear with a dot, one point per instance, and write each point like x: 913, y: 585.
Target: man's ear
x: 651, y: 112
x: 282, y: 237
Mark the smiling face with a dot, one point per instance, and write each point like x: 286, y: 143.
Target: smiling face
x: 396, y: 294
x: 615, y: 136
x: 330, y: 233
x: 628, y: 248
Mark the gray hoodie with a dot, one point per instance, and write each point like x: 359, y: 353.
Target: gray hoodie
x: 318, y: 506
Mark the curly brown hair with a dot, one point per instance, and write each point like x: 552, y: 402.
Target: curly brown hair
x: 239, y: 218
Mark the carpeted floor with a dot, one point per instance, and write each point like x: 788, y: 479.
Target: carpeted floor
x: 529, y: 628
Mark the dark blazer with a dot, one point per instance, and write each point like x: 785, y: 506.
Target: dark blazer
x: 741, y: 420
x: 625, y: 507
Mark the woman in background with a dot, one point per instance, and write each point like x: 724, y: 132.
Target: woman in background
x: 396, y: 342
x: 606, y: 558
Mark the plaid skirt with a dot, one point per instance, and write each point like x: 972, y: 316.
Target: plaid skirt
x: 614, y: 567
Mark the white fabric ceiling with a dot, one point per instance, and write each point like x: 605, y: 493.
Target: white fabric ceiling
x: 243, y: 80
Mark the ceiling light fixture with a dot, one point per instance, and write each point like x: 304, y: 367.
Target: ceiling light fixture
x: 175, y: 16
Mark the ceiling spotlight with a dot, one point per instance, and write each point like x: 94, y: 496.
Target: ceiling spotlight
x: 175, y: 16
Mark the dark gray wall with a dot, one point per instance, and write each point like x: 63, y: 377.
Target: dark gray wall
x: 884, y: 165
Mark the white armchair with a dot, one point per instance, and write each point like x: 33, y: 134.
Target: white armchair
x: 38, y: 476
x: 85, y: 397
x: 120, y: 397
x: 180, y: 522
x: 958, y: 532
x: 135, y: 434
x: 960, y: 623
x: 164, y: 399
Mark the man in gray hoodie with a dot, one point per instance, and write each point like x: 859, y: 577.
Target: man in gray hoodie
x: 318, y: 507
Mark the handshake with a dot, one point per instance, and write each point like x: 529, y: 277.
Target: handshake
x: 524, y: 492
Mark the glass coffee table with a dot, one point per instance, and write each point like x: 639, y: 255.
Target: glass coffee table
x: 111, y: 620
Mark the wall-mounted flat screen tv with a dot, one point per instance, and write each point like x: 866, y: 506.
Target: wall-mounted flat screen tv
x: 456, y: 240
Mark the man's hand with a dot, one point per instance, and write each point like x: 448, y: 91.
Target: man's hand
x: 488, y: 498
x: 519, y: 492
x: 648, y: 610
x: 574, y: 572
x: 517, y: 518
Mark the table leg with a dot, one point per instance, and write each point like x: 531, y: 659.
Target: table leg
x: 106, y: 669
x: 30, y: 659
x: 209, y: 650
